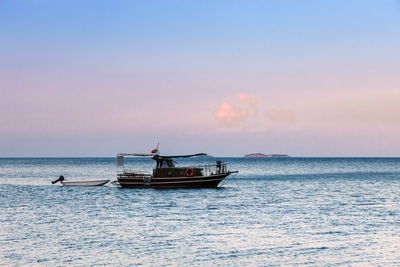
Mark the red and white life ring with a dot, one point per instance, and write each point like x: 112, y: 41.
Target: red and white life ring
x: 189, y: 172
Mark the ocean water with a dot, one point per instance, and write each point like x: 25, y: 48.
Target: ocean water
x: 295, y: 211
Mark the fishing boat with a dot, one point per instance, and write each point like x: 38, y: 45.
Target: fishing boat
x: 167, y: 175
x: 80, y: 183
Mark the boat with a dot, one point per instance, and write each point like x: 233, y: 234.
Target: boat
x: 166, y: 175
x: 80, y: 183
x: 85, y: 183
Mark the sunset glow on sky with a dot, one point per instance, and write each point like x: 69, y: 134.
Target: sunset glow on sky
x: 305, y: 78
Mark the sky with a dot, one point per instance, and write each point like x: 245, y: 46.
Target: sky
x: 304, y: 78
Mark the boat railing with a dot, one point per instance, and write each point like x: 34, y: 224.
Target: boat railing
x: 207, y: 170
x: 213, y: 169
x: 137, y: 173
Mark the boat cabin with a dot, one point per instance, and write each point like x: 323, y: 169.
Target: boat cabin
x: 165, y: 167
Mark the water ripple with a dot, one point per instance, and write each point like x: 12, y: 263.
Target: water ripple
x: 296, y: 213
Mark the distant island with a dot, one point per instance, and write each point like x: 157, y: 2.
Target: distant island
x: 260, y: 155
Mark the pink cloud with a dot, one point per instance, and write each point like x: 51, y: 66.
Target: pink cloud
x: 286, y: 116
x: 242, y: 114
x: 230, y: 116
x: 248, y: 99
x: 251, y: 101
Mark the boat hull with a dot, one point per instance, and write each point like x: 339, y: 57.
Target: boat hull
x: 85, y: 183
x: 171, y: 182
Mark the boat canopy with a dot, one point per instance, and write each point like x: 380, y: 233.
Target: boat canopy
x: 136, y: 154
x: 162, y: 161
x: 158, y: 156
x: 180, y: 156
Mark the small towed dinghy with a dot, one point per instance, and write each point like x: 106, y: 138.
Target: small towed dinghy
x: 80, y: 183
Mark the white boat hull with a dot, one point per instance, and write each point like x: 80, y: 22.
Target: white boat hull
x: 85, y: 183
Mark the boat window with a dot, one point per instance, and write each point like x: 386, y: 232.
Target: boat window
x: 170, y: 163
x: 164, y: 164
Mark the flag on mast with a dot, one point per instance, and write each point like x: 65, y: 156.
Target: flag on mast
x: 155, y: 150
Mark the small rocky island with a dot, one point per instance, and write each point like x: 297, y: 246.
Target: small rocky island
x: 260, y: 155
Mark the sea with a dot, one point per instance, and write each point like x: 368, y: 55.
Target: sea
x: 274, y: 212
